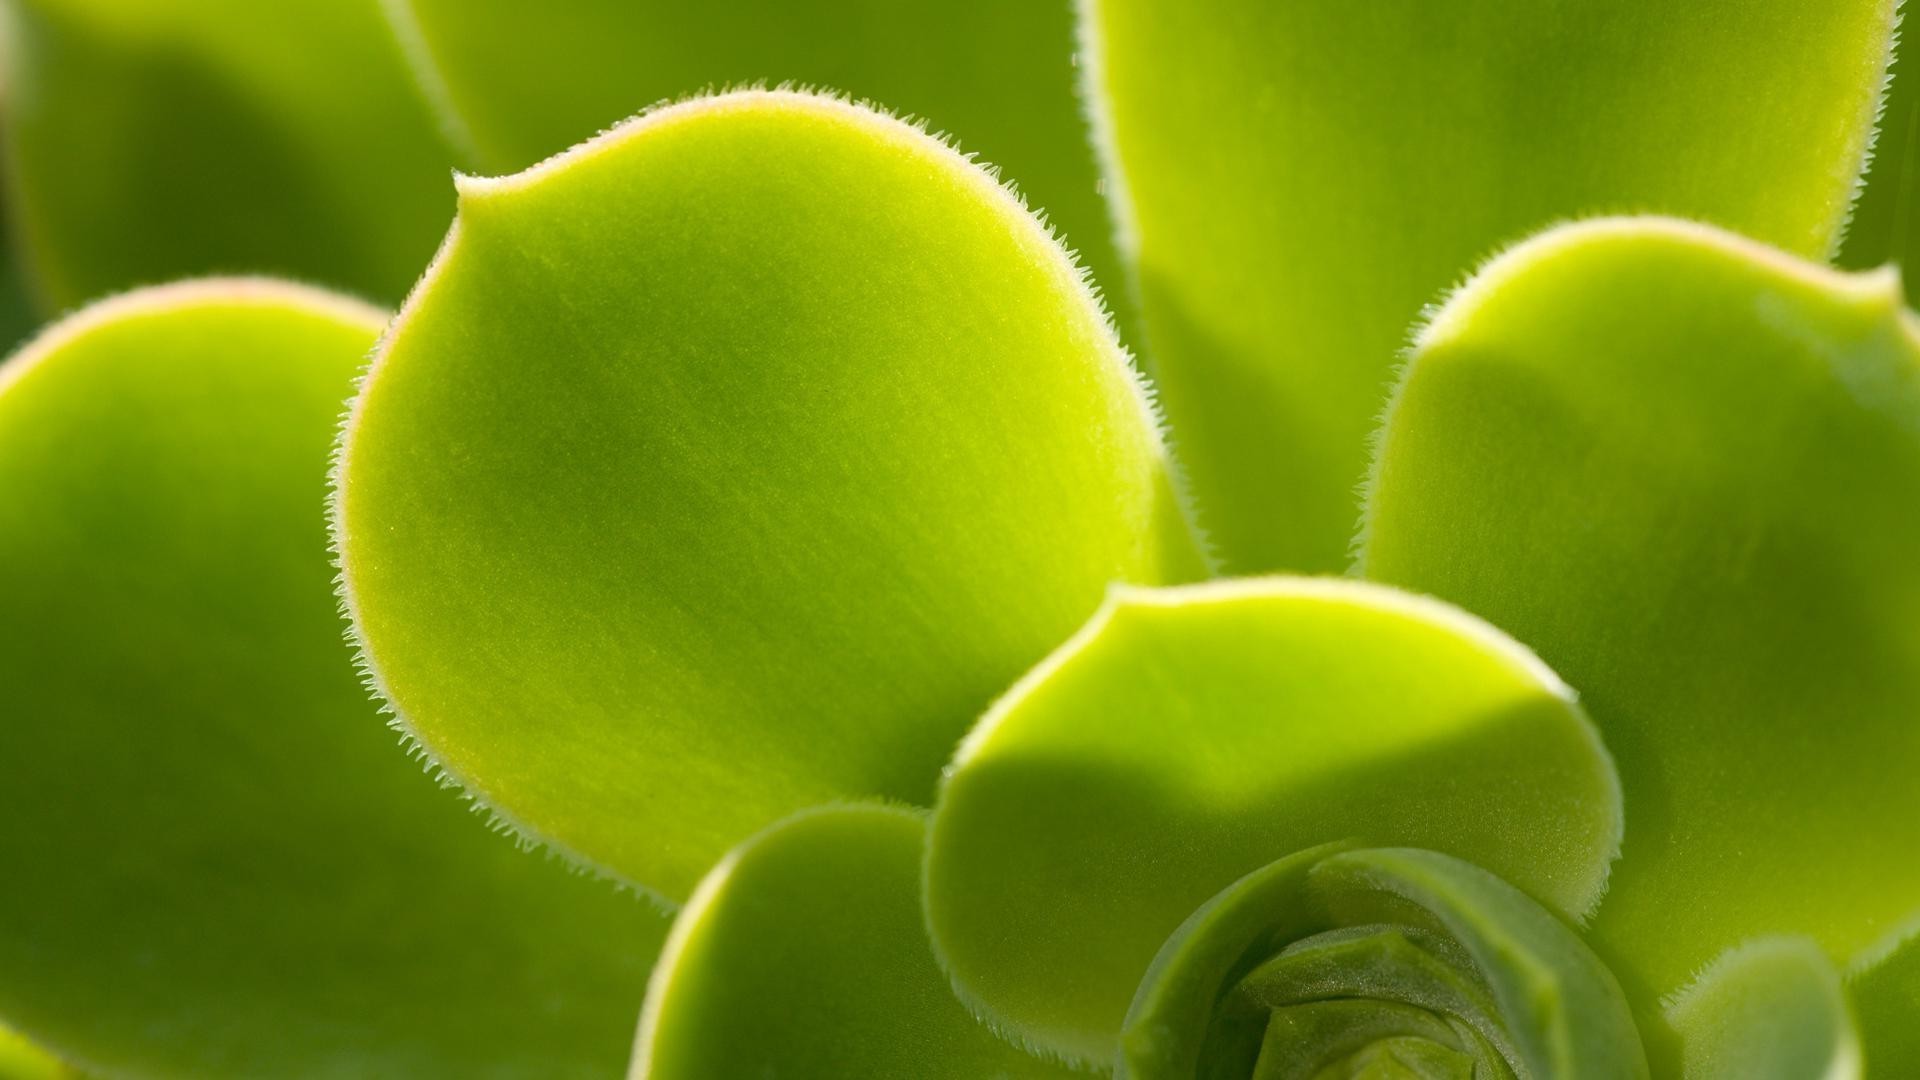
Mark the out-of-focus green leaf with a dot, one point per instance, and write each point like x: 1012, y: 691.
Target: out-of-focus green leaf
x: 803, y: 956
x: 217, y: 860
x: 1686, y: 469
x: 1189, y: 736
x: 1886, y: 219
x: 151, y: 140
x: 1328, y: 960
x: 1299, y: 178
x: 1885, y: 988
x: 521, y: 81
x: 1772, y: 1009
x: 21, y: 1060
x: 729, y: 465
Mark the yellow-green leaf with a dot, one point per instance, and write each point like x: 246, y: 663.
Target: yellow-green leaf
x: 1685, y: 469
x: 1301, y: 177
x: 730, y: 464
x: 1189, y: 736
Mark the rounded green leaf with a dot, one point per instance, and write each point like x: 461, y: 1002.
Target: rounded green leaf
x: 802, y: 955
x: 730, y: 464
x: 150, y: 140
x: 521, y: 81
x: 1189, y: 736
x: 218, y: 861
x: 1686, y: 470
x: 1298, y: 179
x: 1331, y: 958
x: 1772, y: 1009
x: 1885, y: 987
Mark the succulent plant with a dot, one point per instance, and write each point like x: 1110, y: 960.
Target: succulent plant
x: 1451, y: 614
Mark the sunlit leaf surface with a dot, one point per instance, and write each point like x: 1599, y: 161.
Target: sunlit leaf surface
x: 1189, y: 736
x: 1300, y: 178
x: 731, y: 464
x: 1686, y: 470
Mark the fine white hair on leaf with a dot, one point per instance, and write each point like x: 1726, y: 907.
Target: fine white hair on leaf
x: 496, y: 817
x: 1869, y: 145
x: 1071, y: 269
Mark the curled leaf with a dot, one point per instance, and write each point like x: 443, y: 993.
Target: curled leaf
x: 1686, y: 470
x: 147, y: 141
x: 730, y: 464
x: 217, y: 860
x: 1334, y: 957
x: 1298, y: 179
x: 802, y: 955
x: 1187, y: 737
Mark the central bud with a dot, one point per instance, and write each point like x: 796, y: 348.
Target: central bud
x: 1340, y: 963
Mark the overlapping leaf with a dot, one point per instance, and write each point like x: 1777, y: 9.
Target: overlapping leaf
x: 1686, y: 470
x: 732, y: 463
x: 218, y: 862
x: 802, y: 955
x: 1773, y: 1009
x: 1300, y: 178
x: 1188, y: 737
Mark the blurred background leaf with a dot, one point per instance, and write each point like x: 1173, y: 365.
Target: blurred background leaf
x: 148, y: 141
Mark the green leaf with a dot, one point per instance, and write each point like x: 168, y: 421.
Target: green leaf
x: 1886, y: 218
x: 1331, y: 956
x: 522, y: 81
x: 1885, y: 988
x: 1686, y: 469
x: 1301, y: 177
x: 731, y: 464
x: 21, y: 1060
x: 1187, y: 737
x: 147, y: 141
x: 218, y: 861
x: 803, y: 955
x: 1773, y: 1009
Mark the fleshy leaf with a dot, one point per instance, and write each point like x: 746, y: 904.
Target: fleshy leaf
x: 1885, y: 988
x: 730, y: 464
x: 147, y: 141
x: 1773, y: 1009
x: 1300, y: 178
x: 521, y: 81
x: 803, y: 955
x: 1886, y: 218
x: 1686, y: 470
x: 218, y: 860
x: 1329, y: 957
x: 1189, y: 736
